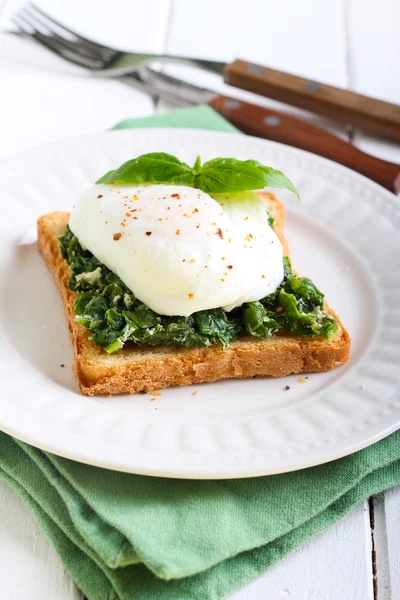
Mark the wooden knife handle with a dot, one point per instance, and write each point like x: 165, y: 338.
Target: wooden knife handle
x: 375, y: 116
x: 279, y: 127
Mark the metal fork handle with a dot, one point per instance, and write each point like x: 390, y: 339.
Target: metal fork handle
x: 174, y: 89
x: 127, y: 63
x: 134, y: 81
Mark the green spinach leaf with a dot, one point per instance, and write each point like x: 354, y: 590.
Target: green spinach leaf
x: 259, y: 321
x: 114, y: 316
x: 215, y: 324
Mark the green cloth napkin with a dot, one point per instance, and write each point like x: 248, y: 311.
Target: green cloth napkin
x: 125, y: 537
x: 197, y: 117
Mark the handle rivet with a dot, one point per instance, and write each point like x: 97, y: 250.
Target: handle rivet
x: 232, y: 103
x: 254, y: 68
x: 272, y: 121
x: 312, y: 86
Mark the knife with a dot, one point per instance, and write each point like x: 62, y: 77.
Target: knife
x: 269, y: 124
x: 370, y: 114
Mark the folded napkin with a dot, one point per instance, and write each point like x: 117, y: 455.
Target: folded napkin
x: 124, y: 536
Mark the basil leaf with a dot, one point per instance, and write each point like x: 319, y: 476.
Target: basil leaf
x: 232, y: 175
x: 216, y: 176
x: 106, y: 178
x: 274, y: 178
x: 155, y: 167
x: 228, y: 175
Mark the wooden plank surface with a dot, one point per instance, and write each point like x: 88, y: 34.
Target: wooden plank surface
x: 374, y: 70
x: 391, y: 530
x: 45, y: 99
x: 29, y: 567
x: 331, y: 566
x: 281, y: 35
x: 287, y: 35
x: 375, y: 48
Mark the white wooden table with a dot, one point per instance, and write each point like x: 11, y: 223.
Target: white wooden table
x: 349, y: 43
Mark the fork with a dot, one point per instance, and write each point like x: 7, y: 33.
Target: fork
x: 104, y: 61
x: 375, y: 116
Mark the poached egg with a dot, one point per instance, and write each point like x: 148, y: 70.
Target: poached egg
x: 178, y: 249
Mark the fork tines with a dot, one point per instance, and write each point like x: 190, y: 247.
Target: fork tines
x: 32, y: 21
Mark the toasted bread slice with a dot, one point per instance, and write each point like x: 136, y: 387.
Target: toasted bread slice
x: 136, y: 368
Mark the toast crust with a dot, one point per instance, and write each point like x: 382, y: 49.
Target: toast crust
x: 137, y: 368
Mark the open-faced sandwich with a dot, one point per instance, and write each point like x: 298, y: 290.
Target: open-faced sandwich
x: 173, y: 275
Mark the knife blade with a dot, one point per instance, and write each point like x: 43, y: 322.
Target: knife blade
x: 269, y: 124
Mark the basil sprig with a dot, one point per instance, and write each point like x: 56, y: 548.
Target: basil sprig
x: 156, y: 167
x: 216, y: 176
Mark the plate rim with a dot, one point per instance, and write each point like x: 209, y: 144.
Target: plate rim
x: 199, y: 131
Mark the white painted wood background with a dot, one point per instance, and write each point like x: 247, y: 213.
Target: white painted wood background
x: 349, y: 43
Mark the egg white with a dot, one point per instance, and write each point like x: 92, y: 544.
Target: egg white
x: 178, y: 249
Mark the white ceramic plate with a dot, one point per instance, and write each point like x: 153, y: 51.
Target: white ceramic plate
x: 345, y: 235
